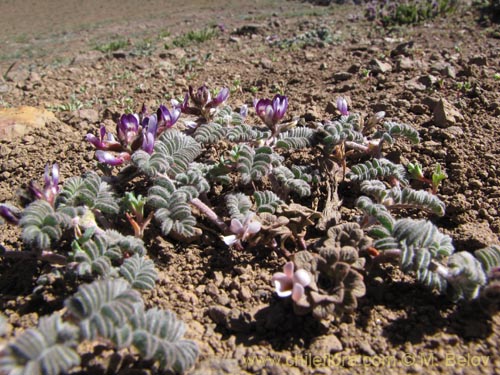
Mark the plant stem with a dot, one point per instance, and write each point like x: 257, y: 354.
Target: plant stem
x: 211, y: 215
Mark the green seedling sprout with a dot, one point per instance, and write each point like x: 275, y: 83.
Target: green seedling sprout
x: 415, y: 170
x: 135, y: 213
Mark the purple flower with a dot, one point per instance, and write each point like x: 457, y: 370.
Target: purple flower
x: 9, y: 214
x: 149, y: 133
x: 271, y: 112
x: 289, y: 283
x: 108, y: 158
x: 203, y: 102
x: 106, y: 141
x: 201, y: 97
x: 220, y: 98
x: 166, y: 118
x: 342, y: 106
x: 50, y: 188
x: 128, y: 128
x: 242, y: 230
x: 244, y: 111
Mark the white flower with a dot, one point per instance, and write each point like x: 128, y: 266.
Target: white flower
x: 289, y: 283
x: 242, y: 230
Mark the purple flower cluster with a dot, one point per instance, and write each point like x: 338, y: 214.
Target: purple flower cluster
x: 48, y: 193
x: 271, y: 111
x: 50, y: 188
x: 134, y: 132
x: 203, y: 103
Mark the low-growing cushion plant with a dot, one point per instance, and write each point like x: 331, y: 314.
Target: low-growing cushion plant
x: 157, y: 174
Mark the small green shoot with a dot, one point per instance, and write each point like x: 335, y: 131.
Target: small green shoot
x: 135, y: 213
x: 416, y: 173
x: 437, y: 176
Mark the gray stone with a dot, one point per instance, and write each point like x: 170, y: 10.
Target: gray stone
x: 428, y: 80
x: 342, y: 76
x: 452, y: 132
x: 430, y: 102
x: 405, y: 63
x: 414, y: 85
x: 478, y: 60
x: 378, y: 66
x: 266, y: 63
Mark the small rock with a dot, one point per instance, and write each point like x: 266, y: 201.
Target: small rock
x: 478, y: 60
x: 266, y: 63
x: 475, y: 184
x: 476, y: 235
x: 452, y: 132
x: 450, y: 71
x: 342, y: 76
x: 309, y: 56
x: 219, y: 314
x: 414, y: 85
x: 34, y: 77
x: 430, y: 102
x: 325, y: 345
x: 377, y: 66
x: 445, y: 114
x: 402, y: 49
x: 218, y: 278
x: 323, y: 66
x: 181, y: 82
x: 354, y: 68
x: 28, y: 139
x: 428, y: 80
x: 119, y: 54
x: 444, y: 69
x: 16, y: 122
x: 366, y: 348
x: 245, y: 293
x: 405, y: 63
x: 331, y: 108
x: 88, y: 114
x: 418, y: 109
x: 431, y: 144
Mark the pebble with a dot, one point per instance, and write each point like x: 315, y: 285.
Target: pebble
x: 342, y: 76
x: 245, y: 293
x: 428, y: 80
x: 414, y: 85
x: 266, y: 63
x: 219, y: 313
x: 445, y: 114
x: 377, y: 66
x: 325, y: 345
x: 418, y: 109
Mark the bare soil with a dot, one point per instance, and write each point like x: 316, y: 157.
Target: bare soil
x: 48, y: 60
